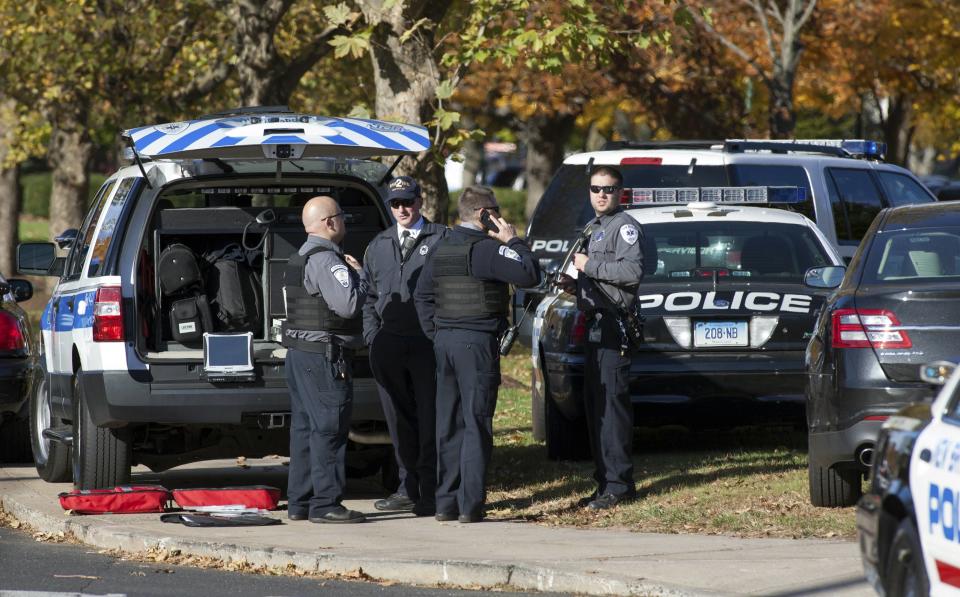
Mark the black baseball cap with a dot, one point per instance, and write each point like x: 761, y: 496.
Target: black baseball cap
x: 402, y: 187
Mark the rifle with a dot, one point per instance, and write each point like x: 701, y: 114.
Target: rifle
x: 576, y: 248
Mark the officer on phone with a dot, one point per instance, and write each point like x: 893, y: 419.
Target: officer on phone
x: 462, y: 299
x: 401, y: 356
x: 324, y: 292
x: 606, y: 285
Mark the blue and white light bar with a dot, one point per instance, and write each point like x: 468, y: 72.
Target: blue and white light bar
x: 278, y: 136
x: 854, y: 147
x: 684, y: 195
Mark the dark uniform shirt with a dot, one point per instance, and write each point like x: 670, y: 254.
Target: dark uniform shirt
x: 389, y: 303
x: 615, y: 253
x: 512, y: 263
x: 343, y: 288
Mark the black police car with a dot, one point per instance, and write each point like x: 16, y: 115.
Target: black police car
x: 727, y: 319
x: 18, y: 360
x: 896, y: 309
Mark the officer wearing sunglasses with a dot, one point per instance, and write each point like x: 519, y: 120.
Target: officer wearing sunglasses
x: 608, y: 273
x: 401, y: 356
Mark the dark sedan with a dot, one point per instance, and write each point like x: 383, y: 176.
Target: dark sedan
x: 896, y: 309
x: 18, y: 359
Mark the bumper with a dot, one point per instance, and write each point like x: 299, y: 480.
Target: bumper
x: 14, y: 383
x: 739, y: 388
x: 118, y: 398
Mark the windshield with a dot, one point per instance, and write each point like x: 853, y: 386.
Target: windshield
x: 906, y: 256
x: 733, y: 251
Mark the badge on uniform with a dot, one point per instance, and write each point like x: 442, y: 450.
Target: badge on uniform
x: 595, y: 335
x: 509, y: 253
x: 424, y: 249
x: 629, y: 233
x: 342, y: 274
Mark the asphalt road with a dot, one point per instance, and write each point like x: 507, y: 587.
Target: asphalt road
x: 58, y: 568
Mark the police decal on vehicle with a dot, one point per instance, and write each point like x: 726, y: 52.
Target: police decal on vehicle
x: 727, y: 301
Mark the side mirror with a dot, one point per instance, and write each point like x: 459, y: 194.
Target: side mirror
x: 22, y: 290
x: 829, y: 276
x: 36, y: 259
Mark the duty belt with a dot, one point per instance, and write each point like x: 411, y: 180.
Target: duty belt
x: 331, y: 350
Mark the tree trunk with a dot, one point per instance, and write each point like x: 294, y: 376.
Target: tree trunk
x: 546, y: 138
x: 10, y: 202
x: 406, y: 76
x: 896, y: 126
x: 783, y: 119
x: 69, y: 155
x: 472, y: 155
x: 259, y: 67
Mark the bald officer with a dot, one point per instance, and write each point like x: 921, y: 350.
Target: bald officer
x: 324, y: 292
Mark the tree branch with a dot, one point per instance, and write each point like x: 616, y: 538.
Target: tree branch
x: 807, y: 12
x: 314, y: 51
x: 765, y: 26
x: 731, y: 46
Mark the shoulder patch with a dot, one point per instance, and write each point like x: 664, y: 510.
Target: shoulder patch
x: 342, y: 274
x: 424, y: 249
x: 509, y: 253
x: 629, y: 233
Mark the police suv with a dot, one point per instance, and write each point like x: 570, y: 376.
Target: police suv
x: 730, y: 296
x: 907, y: 521
x: 845, y: 184
x: 161, y: 340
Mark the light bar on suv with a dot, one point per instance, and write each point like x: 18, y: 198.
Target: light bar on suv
x: 845, y: 147
x: 684, y: 195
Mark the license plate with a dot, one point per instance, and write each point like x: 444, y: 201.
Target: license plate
x: 720, y: 333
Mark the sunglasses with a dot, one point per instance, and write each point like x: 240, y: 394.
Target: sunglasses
x: 495, y: 208
x: 608, y: 189
x: 336, y: 215
x: 398, y: 203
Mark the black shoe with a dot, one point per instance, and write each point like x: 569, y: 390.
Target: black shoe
x: 467, y: 518
x: 295, y: 516
x: 609, y: 500
x: 585, y: 501
x: 396, y: 502
x: 422, y: 508
x: 340, y: 516
x: 445, y: 516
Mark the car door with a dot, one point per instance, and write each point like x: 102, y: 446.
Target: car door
x: 935, y: 486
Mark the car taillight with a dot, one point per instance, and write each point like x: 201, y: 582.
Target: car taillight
x: 108, y: 315
x: 579, y: 331
x: 863, y: 328
x: 11, y: 336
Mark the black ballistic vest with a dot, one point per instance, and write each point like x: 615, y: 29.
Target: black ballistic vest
x: 457, y: 293
x: 307, y: 312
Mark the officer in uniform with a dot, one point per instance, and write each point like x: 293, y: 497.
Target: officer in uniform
x: 462, y: 299
x: 324, y: 292
x: 401, y: 356
x: 607, y: 279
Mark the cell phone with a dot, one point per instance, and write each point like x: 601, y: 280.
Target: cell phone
x: 488, y: 222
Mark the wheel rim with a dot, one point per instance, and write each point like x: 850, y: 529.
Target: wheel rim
x: 41, y: 421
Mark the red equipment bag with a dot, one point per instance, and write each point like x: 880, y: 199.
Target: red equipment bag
x: 252, y: 496
x: 125, y: 499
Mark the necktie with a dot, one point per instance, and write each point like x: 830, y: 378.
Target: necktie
x: 406, y: 244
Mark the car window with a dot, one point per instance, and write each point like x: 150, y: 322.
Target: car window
x: 78, y: 253
x: 109, y: 227
x: 776, y: 176
x: 908, y: 256
x: 902, y: 190
x: 738, y: 251
x: 855, y: 199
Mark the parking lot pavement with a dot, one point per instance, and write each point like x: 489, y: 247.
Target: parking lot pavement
x: 402, y: 548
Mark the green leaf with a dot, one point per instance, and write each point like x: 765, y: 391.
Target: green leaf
x: 445, y: 89
x: 337, y: 15
x: 445, y: 118
x: 354, y: 45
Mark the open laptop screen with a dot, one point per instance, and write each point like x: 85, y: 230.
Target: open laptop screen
x: 227, y: 352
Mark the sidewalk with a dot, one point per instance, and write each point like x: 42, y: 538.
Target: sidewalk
x: 405, y: 549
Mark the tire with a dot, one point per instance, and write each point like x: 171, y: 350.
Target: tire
x: 15, y: 440
x: 834, y: 487
x: 566, y: 439
x: 906, y: 575
x: 51, y: 458
x: 101, y: 455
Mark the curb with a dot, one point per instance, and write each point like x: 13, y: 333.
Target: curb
x: 477, y: 574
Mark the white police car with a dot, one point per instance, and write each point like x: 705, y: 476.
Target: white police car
x: 127, y: 376
x: 730, y: 296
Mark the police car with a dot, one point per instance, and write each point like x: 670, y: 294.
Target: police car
x: 18, y: 361
x: 728, y: 315
x: 135, y: 369
x: 907, y: 521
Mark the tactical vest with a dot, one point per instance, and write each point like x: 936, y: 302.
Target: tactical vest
x: 307, y: 312
x: 457, y: 293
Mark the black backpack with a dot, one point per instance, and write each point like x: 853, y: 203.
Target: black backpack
x: 184, y: 302
x: 234, y: 290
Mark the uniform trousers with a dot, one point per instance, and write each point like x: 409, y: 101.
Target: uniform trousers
x: 468, y: 376
x: 405, y: 369
x: 320, y: 407
x: 608, y: 408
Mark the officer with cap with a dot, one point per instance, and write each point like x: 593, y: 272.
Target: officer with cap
x: 401, y: 356
x: 324, y: 292
x: 607, y: 278
x: 462, y: 298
